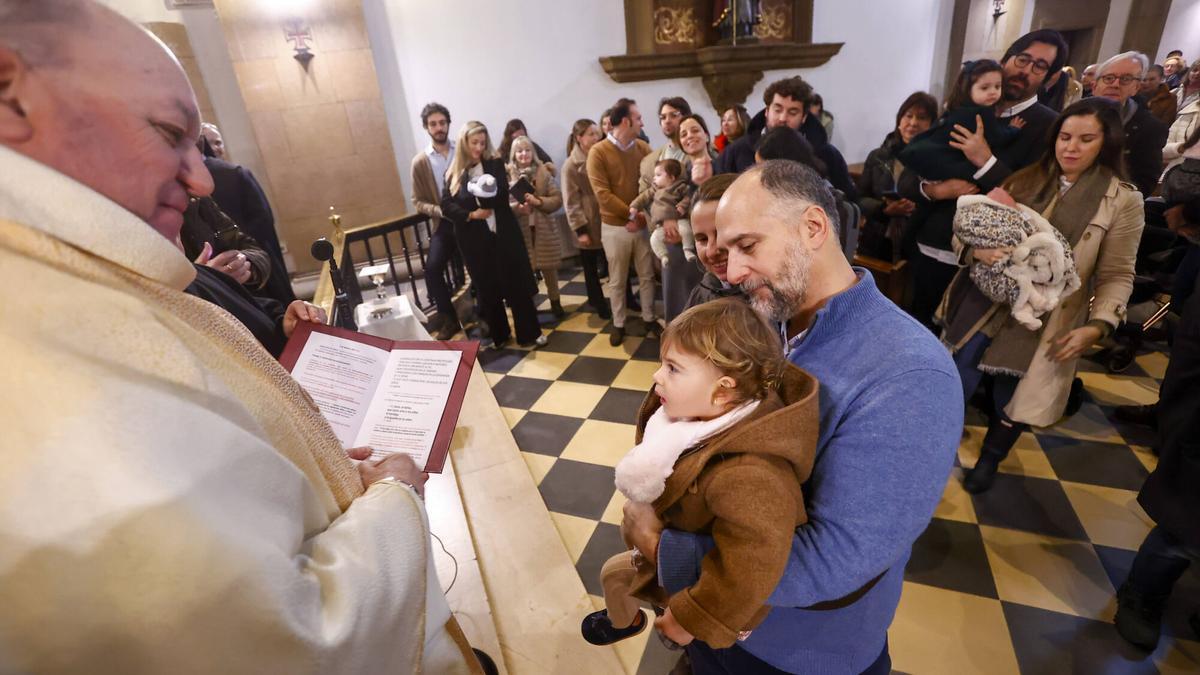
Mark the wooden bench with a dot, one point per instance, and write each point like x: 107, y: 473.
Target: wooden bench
x: 891, y: 277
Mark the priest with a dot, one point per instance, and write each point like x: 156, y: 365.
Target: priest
x: 171, y: 501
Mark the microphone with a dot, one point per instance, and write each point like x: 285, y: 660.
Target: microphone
x: 323, y: 250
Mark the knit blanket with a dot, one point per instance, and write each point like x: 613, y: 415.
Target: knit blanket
x: 1039, y: 272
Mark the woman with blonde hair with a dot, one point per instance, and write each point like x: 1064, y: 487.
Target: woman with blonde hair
x: 476, y: 202
x: 535, y: 214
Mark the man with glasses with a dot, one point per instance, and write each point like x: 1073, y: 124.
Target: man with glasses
x: 1026, y: 64
x: 1118, y: 79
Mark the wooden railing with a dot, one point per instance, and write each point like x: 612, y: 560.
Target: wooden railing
x: 403, y: 245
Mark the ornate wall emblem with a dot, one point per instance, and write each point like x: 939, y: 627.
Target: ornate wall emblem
x: 674, y: 25
x: 775, y: 22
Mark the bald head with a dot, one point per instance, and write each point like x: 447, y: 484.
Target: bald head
x: 39, y: 29
x: 122, y: 121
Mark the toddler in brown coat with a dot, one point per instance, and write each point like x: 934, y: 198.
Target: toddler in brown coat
x: 669, y: 198
x: 725, y: 440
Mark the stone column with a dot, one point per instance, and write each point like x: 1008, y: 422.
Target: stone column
x: 320, y: 128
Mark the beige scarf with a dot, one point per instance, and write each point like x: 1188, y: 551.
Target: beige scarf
x: 292, y: 423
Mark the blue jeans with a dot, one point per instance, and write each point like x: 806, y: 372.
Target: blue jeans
x: 1160, y: 561
x: 441, y: 247
x: 1003, y: 432
x: 738, y: 661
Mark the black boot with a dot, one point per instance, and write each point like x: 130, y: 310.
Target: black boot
x: 556, y: 308
x: 980, y: 478
x: 1143, y: 415
x: 1139, y: 617
x: 999, y: 439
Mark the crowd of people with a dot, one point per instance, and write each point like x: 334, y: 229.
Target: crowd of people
x: 191, y: 505
x: 1019, y: 143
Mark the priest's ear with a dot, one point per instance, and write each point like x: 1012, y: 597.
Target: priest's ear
x: 15, y: 127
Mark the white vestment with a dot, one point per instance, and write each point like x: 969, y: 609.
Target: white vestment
x: 151, y: 519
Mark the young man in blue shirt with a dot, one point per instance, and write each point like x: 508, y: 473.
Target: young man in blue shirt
x: 891, y: 419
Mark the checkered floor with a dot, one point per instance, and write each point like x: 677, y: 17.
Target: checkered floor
x: 1020, y: 579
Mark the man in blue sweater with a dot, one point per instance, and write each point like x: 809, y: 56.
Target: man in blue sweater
x: 891, y: 418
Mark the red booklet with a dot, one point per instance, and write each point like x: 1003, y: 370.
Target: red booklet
x: 389, y: 396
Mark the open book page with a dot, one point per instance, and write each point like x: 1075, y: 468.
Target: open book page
x: 409, y: 405
x: 341, y: 376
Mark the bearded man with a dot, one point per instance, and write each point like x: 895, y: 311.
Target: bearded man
x: 891, y: 416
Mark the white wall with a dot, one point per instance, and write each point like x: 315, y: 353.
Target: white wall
x: 1182, y: 30
x: 143, y: 11
x: 538, y: 61
x: 1114, y: 29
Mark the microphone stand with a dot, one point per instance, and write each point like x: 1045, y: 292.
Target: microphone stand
x: 323, y: 250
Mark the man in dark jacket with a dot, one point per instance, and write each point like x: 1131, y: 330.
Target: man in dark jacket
x: 1118, y: 79
x: 932, y: 261
x: 787, y: 103
x: 240, y: 196
x: 1171, y: 495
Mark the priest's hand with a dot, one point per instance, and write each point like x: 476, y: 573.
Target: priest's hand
x: 643, y: 529
x: 299, y: 311
x: 398, y: 466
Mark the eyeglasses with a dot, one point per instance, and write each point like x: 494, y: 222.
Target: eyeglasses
x: 1039, y: 66
x: 1124, y: 79
x: 673, y: 115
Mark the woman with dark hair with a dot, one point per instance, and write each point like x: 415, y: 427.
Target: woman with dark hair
x: 681, y: 276
x: 514, y: 129
x: 1076, y: 186
x: 734, y: 123
x: 885, y: 212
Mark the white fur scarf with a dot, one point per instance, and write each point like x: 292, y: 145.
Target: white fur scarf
x: 642, y: 474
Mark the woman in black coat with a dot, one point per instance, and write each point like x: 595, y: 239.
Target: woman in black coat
x: 887, y: 213
x: 490, y: 239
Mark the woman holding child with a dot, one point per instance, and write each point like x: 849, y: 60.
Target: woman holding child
x: 694, y: 140
x: 1077, y: 187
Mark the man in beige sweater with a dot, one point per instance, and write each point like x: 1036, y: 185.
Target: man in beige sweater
x: 173, y: 501
x: 613, y: 170
x: 428, y: 180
